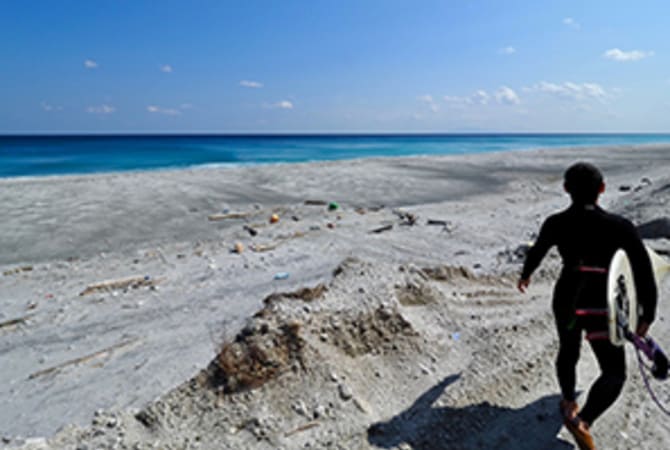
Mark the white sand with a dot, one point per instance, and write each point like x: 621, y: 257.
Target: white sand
x: 71, y: 355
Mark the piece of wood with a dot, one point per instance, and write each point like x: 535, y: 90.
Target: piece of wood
x: 15, y: 321
x: 302, y: 428
x: 442, y: 223
x: 316, y: 202
x: 17, y: 270
x: 382, y: 229
x: 100, y: 353
x: 123, y: 283
x: 240, y: 215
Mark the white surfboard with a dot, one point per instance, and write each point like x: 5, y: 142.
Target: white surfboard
x: 621, y: 295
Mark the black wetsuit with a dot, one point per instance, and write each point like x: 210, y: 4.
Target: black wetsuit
x: 587, y: 238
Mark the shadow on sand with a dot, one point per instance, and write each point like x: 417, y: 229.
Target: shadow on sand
x: 481, y: 426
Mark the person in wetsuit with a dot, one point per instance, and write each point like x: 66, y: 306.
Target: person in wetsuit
x: 587, y: 238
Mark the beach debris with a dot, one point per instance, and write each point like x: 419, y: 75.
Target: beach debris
x: 445, y: 224
x: 238, y: 248
x: 407, y: 218
x: 105, y: 352
x: 250, y: 230
x: 655, y: 229
x: 122, y: 283
x: 333, y: 206
x: 16, y: 270
x: 281, y: 276
x: 273, y: 245
x: 238, y: 215
x: 258, y: 248
x: 295, y: 218
x: 302, y: 428
x: 315, y: 202
x: 360, y: 211
x: 625, y: 188
x: 330, y: 225
x: 456, y: 336
x: 306, y: 294
x: 274, y: 218
x: 382, y: 229
x: 14, y: 322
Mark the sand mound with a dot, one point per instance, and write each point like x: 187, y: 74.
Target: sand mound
x: 314, y: 369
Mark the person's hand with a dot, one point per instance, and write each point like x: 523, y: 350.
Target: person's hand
x: 642, y: 329
x: 522, y: 284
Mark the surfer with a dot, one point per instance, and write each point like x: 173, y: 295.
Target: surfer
x: 587, y: 237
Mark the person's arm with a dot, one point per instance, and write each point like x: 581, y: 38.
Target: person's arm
x: 536, y: 253
x: 643, y: 274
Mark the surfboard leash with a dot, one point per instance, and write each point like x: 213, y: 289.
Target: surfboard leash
x: 659, y: 369
x: 647, y: 385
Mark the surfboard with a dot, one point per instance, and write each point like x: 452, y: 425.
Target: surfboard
x: 622, y: 307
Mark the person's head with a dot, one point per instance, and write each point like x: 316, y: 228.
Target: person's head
x: 584, y: 183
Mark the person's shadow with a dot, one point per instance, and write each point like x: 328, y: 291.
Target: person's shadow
x: 481, y: 426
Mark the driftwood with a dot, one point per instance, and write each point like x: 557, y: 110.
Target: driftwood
x: 15, y: 321
x: 273, y: 245
x: 17, y: 270
x: 301, y: 428
x: 442, y: 223
x: 316, y: 202
x: 241, y: 215
x: 382, y: 229
x: 123, y: 283
x: 100, y: 353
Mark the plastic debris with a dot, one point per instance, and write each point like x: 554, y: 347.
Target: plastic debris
x: 281, y: 276
x: 274, y: 218
x: 455, y: 336
x: 332, y: 206
x: 252, y: 231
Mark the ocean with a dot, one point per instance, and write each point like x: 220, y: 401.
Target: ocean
x: 60, y: 155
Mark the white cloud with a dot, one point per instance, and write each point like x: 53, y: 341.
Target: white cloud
x: 504, y: 95
x: 166, y: 68
x: 616, y: 54
x: 90, y: 64
x: 284, y: 104
x: 509, y: 50
x: 507, y: 96
x: 569, y: 90
x: 251, y: 84
x: 481, y: 97
x: 48, y: 107
x: 456, y: 100
x: 166, y: 111
x: 100, y: 109
x: 429, y: 101
x: 572, y: 23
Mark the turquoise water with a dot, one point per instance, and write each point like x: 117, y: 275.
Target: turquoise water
x: 55, y: 155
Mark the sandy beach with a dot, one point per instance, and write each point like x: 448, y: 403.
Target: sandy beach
x: 388, y: 320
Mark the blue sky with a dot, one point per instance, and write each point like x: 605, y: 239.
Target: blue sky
x: 334, y: 66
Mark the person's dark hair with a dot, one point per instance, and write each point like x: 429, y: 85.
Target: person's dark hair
x: 583, y: 182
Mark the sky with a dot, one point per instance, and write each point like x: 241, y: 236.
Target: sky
x: 114, y: 66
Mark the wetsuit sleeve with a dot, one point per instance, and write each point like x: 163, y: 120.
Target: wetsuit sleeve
x: 643, y: 273
x: 544, y: 242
